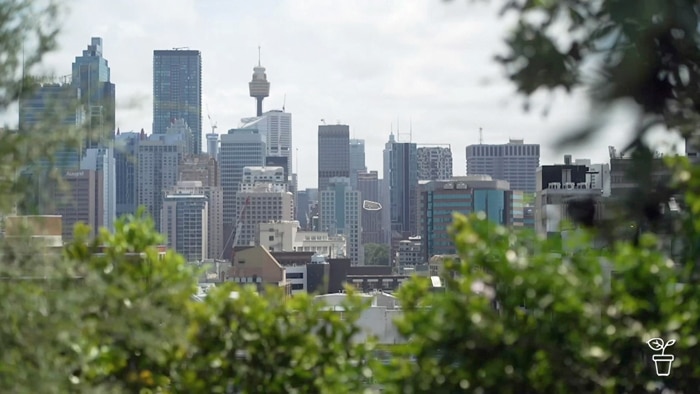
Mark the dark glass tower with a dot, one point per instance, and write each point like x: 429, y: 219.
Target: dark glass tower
x: 97, y: 93
x: 177, y: 91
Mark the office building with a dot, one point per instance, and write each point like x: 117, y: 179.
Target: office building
x: 91, y: 74
x: 279, y: 161
x: 239, y: 148
x: 272, y: 176
x: 438, y: 200
x: 515, y: 162
x: 54, y: 106
x: 276, y: 125
x: 202, y: 168
x: 215, y: 213
x: 434, y: 163
x: 285, y: 236
x: 103, y: 162
x: 357, y: 160
x: 78, y: 200
x: 557, y: 186
x: 157, y: 170
x: 125, y: 156
x: 368, y: 185
x: 184, y: 223
x: 177, y: 91
x: 401, y: 171
x: 263, y: 203
x: 333, y: 153
x: 340, y: 210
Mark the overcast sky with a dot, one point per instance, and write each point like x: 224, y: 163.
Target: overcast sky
x: 372, y: 64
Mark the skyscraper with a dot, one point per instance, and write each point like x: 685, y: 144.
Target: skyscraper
x: 357, y: 160
x: 515, y: 162
x: 78, y: 201
x: 91, y: 76
x: 333, y: 153
x: 401, y: 169
x: 239, y: 148
x: 434, y: 163
x: 368, y: 185
x: 177, y: 91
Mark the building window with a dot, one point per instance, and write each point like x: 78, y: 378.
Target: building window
x: 297, y: 286
x: 271, y: 238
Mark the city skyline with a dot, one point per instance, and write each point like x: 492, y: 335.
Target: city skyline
x: 444, y: 49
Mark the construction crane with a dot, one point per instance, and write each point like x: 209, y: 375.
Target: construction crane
x: 236, y: 233
x: 211, y: 122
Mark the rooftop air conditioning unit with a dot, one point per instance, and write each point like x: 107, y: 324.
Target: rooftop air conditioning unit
x: 569, y: 185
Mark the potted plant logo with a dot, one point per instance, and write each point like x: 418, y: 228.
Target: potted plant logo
x: 662, y: 361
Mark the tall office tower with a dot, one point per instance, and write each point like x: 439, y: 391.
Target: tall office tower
x: 438, y: 200
x: 184, y: 223
x: 91, y: 76
x: 215, y: 212
x: 357, y: 160
x: 53, y: 107
x: 54, y: 104
x: 202, y: 168
x: 239, y: 148
x: 368, y: 186
x: 263, y: 203
x: 102, y: 161
x: 401, y: 170
x: 278, y: 161
x: 333, y: 153
x: 177, y: 91
x: 515, y: 162
x: 157, y: 170
x: 77, y: 201
x: 125, y: 151
x: 277, y: 127
x: 259, y: 87
x: 434, y: 163
x: 273, y: 176
x: 340, y: 210
x: 213, y: 145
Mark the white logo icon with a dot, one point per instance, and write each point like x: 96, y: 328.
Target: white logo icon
x: 662, y: 361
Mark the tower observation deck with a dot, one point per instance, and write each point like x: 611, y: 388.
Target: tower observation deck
x: 259, y: 87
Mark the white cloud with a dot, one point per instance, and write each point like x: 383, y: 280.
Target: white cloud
x: 363, y: 62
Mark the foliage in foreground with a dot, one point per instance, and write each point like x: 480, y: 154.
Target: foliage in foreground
x: 523, y: 315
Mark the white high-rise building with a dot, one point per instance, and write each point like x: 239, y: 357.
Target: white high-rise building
x: 102, y: 160
x: 340, y: 209
x: 276, y: 125
x: 184, y: 222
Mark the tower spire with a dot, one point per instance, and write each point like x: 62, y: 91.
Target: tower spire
x: 259, y: 64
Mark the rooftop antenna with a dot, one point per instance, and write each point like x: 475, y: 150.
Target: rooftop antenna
x: 297, y: 160
x: 259, y: 56
x: 481, y: 136
x: 410, y: 130
x: 284, y: 102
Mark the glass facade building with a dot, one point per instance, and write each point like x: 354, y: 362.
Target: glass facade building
x: 177, y: 91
